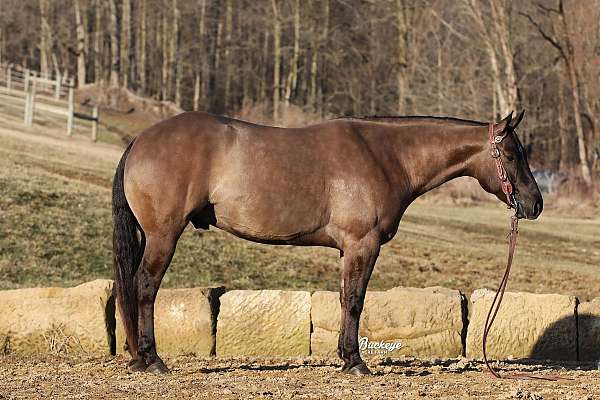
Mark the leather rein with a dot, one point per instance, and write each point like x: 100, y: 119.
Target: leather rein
x: 508, y: 189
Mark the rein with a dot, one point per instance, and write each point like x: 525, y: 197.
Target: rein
x: 508, y: 190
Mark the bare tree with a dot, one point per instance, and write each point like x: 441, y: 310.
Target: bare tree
x: 561, y: 40
x: 495, y: 30
x: 114, y: 44
x: 140, y: 46
x: 45, y: 37
x: 276, y: 58
x: 81, y: 65
x: 98, y: 70
x: 292, y: 80
x: 125, y: 42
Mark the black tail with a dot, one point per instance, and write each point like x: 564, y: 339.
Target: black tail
x: 127, y: 254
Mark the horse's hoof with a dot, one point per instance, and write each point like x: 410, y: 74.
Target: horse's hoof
x: 359, y: 369
x: 136, y: 365
x: 158, y: 368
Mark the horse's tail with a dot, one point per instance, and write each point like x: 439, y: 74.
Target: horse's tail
x: 127, y: 255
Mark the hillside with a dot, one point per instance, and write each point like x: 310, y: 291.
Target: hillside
x: 55, y: 229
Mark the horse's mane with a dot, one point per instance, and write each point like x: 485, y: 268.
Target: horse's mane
x: 396, y: 119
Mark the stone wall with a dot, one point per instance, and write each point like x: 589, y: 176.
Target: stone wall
x: 58, y: 320
x: 185, y: 321
x: 425, y: 322
x: 430, y: 322
x: 539, y: 326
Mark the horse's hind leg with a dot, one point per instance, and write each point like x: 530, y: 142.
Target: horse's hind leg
x: 157, y: 257
x: 358, y: 262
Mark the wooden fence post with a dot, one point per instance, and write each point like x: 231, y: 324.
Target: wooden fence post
x: 26, y: 110
x: 57, y: 86
x: 71, y: 110
x: 95, y: 124
x: 8, y: 78
x: 32, y: 88
x: 29, y: 104
x: 26, y: 79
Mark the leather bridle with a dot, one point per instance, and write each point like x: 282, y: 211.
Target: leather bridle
x: 508, y: 189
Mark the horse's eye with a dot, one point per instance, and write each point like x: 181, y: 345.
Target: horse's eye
x: 510, y: 158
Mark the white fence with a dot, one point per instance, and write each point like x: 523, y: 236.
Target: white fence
x: 44, y: 99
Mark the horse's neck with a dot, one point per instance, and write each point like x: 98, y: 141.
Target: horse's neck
x: 442, y: 153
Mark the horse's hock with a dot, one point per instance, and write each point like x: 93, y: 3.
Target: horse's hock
x: 185, y: 321
x: 528, y: 325
x: 424, y: 322
x: 76, y: 320
x: 264, y: 323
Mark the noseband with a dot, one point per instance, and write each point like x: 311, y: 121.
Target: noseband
x: 507, y: 188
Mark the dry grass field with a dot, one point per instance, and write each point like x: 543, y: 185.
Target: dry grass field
x: 55, y: 229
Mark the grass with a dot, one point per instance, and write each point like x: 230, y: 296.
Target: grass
x: 55, y: 230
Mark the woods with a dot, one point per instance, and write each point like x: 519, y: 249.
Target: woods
x: 475, y: 59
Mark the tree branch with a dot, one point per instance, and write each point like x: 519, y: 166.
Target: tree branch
x: 545, y: 35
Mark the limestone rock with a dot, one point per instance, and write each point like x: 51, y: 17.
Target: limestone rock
x: 78, y: 320
x: 528, y: 325
x: 264, y: 323
x: 184, y: 321
x: 588, y: 318
x: 426, y: 322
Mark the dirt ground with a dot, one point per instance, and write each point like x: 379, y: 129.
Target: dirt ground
x: 277, y: 378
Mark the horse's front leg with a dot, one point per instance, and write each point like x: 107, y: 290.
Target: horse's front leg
x: 358, y: 262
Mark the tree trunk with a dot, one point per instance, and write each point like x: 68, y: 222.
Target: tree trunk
x: 500, y: 18
x: 276, y: 59
x: 202, y: 78
x: 583, y: 161
x: 44, y: 38
x: 563, y: 163
x: 165, y: 78
x: 175, y: 55
x: 114, y: 45
x: 98, y: 74
x: 125, y: 42
x: 572, y: 71
x: 496, y: 38
x: 402, y: 56
x: 228, y: 30
x: 141, y: 47
x: 293, y: 75
x: 312, y: 97
x: 80, y: 45
x: 319, y: 40
x: 196, y: 92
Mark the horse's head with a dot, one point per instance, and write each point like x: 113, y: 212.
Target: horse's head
x: 527, y: 196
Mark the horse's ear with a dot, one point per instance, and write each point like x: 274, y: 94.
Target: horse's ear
x: 519, y: 119
x: 505, y: 123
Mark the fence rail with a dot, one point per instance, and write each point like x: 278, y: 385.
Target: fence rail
x: 44, y: 99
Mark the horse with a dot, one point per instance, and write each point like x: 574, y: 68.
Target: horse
x: 343, y: 183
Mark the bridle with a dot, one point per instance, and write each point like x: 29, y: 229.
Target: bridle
x: 496, y: 138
